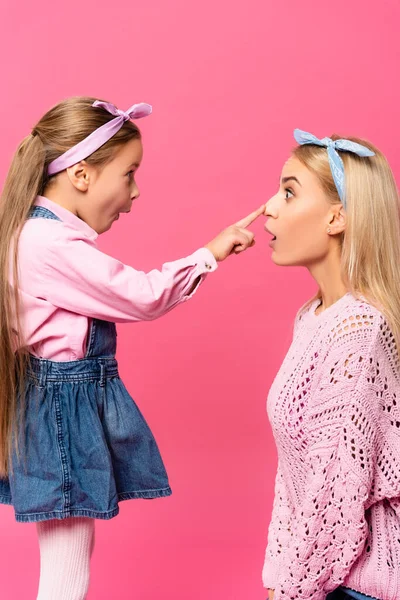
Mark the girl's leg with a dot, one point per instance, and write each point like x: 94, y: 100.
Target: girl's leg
x: 65, y: 550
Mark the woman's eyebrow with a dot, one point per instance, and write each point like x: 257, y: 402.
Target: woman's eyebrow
x: 291, y: 178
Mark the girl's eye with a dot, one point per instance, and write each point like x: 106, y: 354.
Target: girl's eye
x: 131, y: 174
x: 288, y: 191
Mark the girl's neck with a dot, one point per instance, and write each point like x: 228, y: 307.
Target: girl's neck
x: 57, y: 195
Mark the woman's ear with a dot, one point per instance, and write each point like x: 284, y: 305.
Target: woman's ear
x: 337, y: 220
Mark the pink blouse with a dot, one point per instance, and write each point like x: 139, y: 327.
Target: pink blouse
x: 65, y: 281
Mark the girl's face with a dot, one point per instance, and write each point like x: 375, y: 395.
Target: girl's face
x: 299, y: 216
x: 112, y: 188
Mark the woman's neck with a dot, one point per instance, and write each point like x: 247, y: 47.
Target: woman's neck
x: 328, y: 276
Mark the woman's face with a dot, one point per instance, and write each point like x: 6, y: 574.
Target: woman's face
x: 299, y: 217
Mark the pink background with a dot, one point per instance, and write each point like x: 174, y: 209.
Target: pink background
x: 229, y: 81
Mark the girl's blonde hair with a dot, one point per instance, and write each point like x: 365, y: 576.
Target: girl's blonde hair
x: 62, y: 127
x: 370, y: 245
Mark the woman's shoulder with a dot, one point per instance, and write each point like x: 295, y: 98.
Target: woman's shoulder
x: 352, y: 317
x: 358, y: 323
x: 355, y: 313
x: 349, y: 307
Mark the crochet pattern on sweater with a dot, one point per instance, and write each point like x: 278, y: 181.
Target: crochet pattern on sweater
x: 334, y: 409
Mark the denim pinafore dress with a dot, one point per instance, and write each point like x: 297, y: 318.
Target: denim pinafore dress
x: 85, y: 444
x: 344, y: 593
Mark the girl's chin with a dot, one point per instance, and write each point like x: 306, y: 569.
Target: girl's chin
x: 105, y: 227
x: 108, y: 226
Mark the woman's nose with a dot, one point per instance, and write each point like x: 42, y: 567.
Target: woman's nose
x: 271, y: 207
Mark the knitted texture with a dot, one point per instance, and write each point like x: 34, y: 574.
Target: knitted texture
x: 334, y: 409
x: 65, y: 550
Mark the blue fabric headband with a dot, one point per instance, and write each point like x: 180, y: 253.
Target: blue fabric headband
x: 335, y: 162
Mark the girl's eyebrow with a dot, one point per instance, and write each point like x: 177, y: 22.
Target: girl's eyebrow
x: 291, y: 178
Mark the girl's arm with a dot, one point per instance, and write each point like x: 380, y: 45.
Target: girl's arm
x: 73, y: 274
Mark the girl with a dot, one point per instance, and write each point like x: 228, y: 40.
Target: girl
x: 334, y: 406
x: 72, y: 442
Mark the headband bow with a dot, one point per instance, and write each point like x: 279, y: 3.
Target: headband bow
x: 99, y: 136
x: 335, y: 161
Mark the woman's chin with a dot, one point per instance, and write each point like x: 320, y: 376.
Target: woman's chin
x: 275, y: 258
x: 280, y: 260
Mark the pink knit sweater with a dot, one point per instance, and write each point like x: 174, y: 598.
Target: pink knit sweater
x: 334, y: 408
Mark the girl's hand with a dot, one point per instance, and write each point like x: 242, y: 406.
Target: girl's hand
x: 270, y: 594
x: 236, y: 238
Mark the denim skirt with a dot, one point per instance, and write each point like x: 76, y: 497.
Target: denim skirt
x: 84, y: 444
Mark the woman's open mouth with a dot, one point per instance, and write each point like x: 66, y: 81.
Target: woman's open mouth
x: 273, y: 239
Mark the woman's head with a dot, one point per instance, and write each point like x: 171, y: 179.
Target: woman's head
x: 305, y: 207
x: 310, y: 221
x: 312, y: 225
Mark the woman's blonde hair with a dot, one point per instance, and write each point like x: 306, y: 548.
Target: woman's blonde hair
x: 62, y: 127
x: 370, y: 245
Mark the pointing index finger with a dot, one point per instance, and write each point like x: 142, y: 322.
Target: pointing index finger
x: 251, y: 217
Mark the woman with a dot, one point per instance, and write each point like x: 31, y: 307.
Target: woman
x: 334, y: 405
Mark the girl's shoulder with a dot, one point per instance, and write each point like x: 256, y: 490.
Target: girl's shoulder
x: 38, y: 234
x: 46, y: 234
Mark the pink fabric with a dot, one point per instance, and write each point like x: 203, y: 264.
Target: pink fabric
x: 99, y: 136
x: 335, y: 412
x: 65, y: 281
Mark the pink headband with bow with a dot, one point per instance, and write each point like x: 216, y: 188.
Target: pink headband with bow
x: 99, y: 136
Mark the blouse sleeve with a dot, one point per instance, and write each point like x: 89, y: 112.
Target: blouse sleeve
x: 78, y: 277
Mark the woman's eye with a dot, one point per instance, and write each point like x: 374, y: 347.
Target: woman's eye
x: 287, y: 192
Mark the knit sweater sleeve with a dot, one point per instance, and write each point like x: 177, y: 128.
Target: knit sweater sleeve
x: 345, y: 428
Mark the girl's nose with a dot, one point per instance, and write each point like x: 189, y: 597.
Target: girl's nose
x: 135, y: 193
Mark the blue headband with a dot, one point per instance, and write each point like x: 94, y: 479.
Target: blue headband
x: 335, y: 162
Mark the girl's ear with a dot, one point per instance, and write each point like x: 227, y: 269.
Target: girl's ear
x: 80, y: 175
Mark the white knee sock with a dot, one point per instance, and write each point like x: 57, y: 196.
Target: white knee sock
x: 65, y: 550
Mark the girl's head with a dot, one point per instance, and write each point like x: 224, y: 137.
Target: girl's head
x: 99, y: 186
x: 102, y: 184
